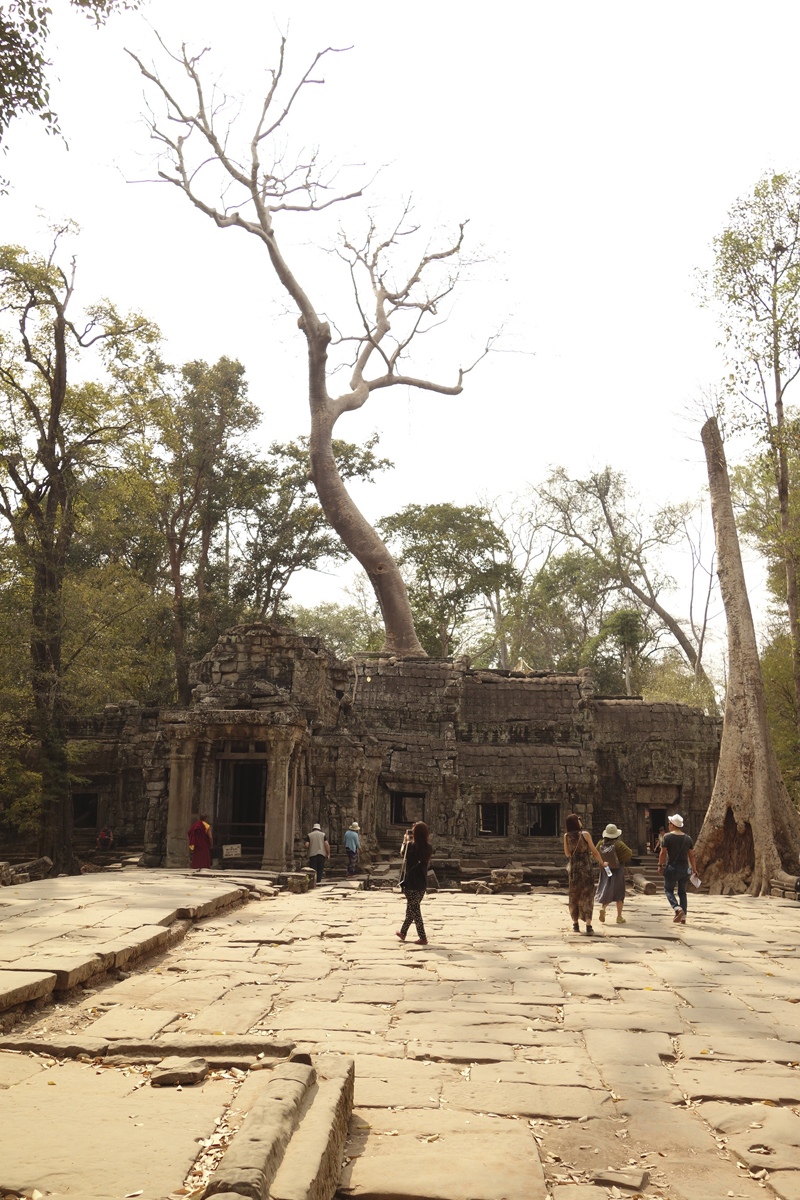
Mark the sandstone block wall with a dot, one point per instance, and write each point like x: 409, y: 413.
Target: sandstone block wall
x: 447, y: 738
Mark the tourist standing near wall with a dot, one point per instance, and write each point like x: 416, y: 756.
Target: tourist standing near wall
x: 352, y: 845
x: 418, y: 851
x: 579, y: 849
x: 319, y: 850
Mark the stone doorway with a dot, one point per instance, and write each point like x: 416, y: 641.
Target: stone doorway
x: 654, y: 803
x: 242, y: 805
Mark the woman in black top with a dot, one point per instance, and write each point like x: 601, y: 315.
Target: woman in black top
x: 415, y: 879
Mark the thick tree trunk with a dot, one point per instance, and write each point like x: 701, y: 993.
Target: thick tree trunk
x: 55, y: 836
x: 362, y: 541
x: 751, y: 832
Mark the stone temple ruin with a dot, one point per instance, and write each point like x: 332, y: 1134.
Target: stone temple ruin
x: 282, y: 734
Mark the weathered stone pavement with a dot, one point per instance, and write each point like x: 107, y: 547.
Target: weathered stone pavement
x: 509, y: 1058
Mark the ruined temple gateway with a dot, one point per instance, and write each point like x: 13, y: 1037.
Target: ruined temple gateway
x: 282, y: 734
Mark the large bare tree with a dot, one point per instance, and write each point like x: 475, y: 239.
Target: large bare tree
x: 394, y: 305
x: 751, y: 832
x: 597, y: 515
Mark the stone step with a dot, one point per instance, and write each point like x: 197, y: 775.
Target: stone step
x: 290, y: 1145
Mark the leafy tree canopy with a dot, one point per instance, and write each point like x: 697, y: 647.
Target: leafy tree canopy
x: 452, y: 556
x: 24, y: 27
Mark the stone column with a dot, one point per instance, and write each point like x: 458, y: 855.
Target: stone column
x: 181, y: 784
x: 277, y: 804
x: 291, y: 809
x: 207, y: 772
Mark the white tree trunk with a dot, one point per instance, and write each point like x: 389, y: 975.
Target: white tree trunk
x: 751, y: 832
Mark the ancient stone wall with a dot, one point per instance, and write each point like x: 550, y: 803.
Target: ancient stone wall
x: 493, y: 761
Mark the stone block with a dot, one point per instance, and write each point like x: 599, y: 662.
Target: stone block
x: 507, y: 875
x: 17, y: 987
x: 252, y: 1160
x: 125, y: 1023
x: 63, y: 1045
x: 312, y: 1164
x: 69, y: 970
x: 178, y: 1070
x: 294, y: 881
x: 636, y: 1180
x: 208, y: 1046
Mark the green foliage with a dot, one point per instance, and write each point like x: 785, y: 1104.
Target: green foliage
x: 776, y: 667
x: 667, y: 678
x: 547, y: 621
x: 756, y: 283
x: 617, y: 645
x: 24, y: 27
x: 346, y: 628
x: 283, y: 527
x: 758, y: 516
x: 453, y: 557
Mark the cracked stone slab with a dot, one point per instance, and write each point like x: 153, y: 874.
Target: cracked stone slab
x: 529, y: 1100
x: 460, y: 1052
x: 728, y: 1081
x: 91, y: 1121
x: 131, y: 1023
x: 739, y: 1049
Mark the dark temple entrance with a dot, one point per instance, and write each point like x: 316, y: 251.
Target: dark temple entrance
x: 245, y: 812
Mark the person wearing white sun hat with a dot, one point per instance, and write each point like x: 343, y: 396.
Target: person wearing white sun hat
x: 676, y: 863
x: 611, y: 888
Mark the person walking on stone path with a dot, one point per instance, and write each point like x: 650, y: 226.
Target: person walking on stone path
x: 352, y: 845
x: 418, y: 851
x: 580, y: 849
x: 319, y: 850
x: 611, y: 888
x: 200, y: 843
x: 676, y: 863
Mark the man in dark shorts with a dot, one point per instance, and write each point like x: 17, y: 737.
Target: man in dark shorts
x: 676, y: 863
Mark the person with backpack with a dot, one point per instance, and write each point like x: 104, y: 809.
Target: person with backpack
x: 676, y: 863
x: 611, y: 888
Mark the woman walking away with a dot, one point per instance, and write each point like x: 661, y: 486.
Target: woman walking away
x: 677, y: 853
x: 415, y: 879
x: 611, y: 888
x: 200, y: 843
x: 580, y: 849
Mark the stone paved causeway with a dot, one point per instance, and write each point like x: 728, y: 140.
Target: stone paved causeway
x: 507, y: 1060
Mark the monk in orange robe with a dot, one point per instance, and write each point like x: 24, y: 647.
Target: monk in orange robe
x: 200, y: 843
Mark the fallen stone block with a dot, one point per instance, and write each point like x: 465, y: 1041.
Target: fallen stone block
x: 251, y: 1162
x: 476, y: 887
x: 37, y: 868
x: 507, y: 875
x: 644, y: 885
x: 294, y: 881
x: 312, y: 1163
x: 178, y: 1070
x: 17, y: 987
x: 635, y: 1180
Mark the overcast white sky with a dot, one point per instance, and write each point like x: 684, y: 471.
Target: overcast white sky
x: 595, y: 148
